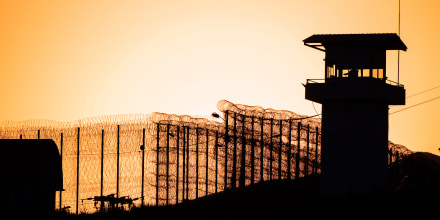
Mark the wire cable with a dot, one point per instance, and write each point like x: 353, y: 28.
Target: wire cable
x: 416, y: 94
x: 313, y: 104
x: 421, y: 103
x: 423, y: 92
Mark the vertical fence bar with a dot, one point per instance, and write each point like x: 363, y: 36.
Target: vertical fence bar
x: 216, y: 160
x: 61, y: 157
x: 226, y: 147
x: 183, y: 161
x: 167, y: 176
x: 143, y: 168
x: 177, y: 163
x: 289, y: 152
x: 207, y: 164
x: 298, y: 151
x: 242, y: 181
x: 316, y: 149
x: 280, y: 150
x: 187, y: 162
x: 306, y: 163
x: 77, y: 170
x: 398, y: 160
x: 234, y: 157
x: 117, y: 165
x: 102, y: 167
x: 262, y: 150
x: 252, y: 151
x: 271, y: 149
x: 197, y: 162
x: 157, y: 163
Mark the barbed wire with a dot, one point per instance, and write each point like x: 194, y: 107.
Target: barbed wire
x: 266, y: 133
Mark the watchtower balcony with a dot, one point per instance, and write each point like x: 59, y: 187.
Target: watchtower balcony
x: 355, y: 89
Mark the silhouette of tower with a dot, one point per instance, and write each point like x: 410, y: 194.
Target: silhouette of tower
x: 355, y: 95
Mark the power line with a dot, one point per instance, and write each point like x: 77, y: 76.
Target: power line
x: 423, y: 91
x: 421, y: 103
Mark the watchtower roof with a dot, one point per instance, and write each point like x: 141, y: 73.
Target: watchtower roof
x: 387, y: 41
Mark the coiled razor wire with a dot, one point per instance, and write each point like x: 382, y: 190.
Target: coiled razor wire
x: 183, y: 157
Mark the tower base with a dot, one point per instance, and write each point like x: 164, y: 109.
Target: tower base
x: 354, y: 149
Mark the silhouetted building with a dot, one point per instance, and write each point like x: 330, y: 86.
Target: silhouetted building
x: 30, y: 173
x: 355, y: 95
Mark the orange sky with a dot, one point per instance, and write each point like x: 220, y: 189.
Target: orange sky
x: 67, y: 60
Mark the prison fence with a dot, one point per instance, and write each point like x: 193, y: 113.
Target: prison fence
x: 194, y: 161
x: 160, y: 159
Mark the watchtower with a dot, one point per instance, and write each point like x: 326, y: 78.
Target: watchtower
x: 355, y: 95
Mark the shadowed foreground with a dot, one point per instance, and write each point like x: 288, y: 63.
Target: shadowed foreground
x: 415, y: 196
x: 282, y: 199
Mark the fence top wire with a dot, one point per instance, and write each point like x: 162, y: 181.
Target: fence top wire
x: 149, y: 121
x: 106, y: 120
x: 265, y: 113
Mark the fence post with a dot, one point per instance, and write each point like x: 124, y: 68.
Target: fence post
x: 289, y: 152
x: 61, y: 157
x: 262, y: 150
x: 167, y: 176
x: 207, y: 164
x: 280, y: 151
x: 183, y: 161
x: 306, y: 163
x: 243, y: 153
x: 102, y: 166
x: 252, y: 151
x: 187, y: 162
x: 77, y: 171
x: 298, y: 151
x: 234, y: 156
x: 271, y: 149
x: 177, y: 163
x: 316, y: 149
x: 157, y: 163
x: 117, y: 166
x: 216, y: 160
x: 197, y: 162
x: 143, y: 166
x: 226, y: 148
x: 38, y: 134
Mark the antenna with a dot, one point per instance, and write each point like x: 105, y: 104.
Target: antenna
x: 398, y: 53
x: 399, y: 17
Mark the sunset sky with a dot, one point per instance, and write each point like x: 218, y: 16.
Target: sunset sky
x: 68, y: 60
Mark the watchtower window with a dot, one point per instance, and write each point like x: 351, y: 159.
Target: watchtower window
x: 332, y: 72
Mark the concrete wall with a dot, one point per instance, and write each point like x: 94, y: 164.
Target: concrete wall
x: 354, y: 148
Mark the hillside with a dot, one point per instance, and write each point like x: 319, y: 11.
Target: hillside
x: 419, y: 173
x: 416, y: 196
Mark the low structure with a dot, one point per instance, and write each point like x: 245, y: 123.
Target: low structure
x: 30, y: 173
